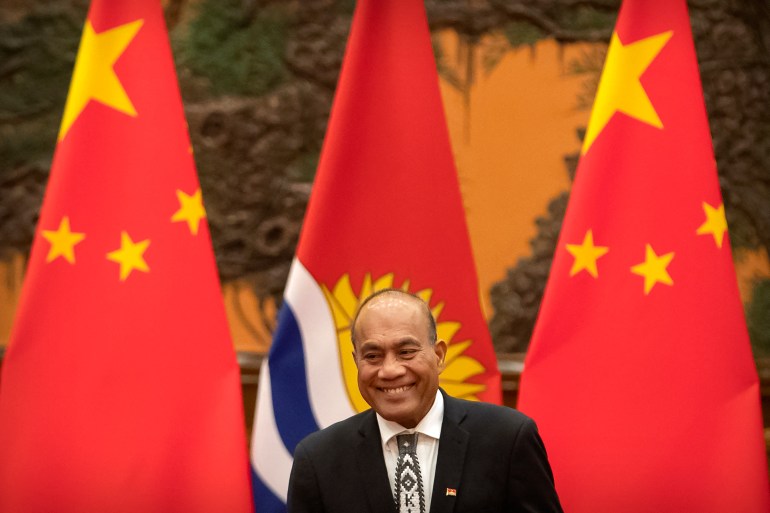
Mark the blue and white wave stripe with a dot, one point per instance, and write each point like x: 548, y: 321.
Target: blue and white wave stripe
x: 301, y: 387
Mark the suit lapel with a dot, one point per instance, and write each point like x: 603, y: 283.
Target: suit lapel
x: 451, y: 457
x: 371, y: 467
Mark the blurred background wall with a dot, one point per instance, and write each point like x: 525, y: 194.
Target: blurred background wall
x: 517, y: 78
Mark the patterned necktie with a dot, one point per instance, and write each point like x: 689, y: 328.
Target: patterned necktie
x: 409, y: 496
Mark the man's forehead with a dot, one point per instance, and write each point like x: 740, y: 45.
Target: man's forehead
x: 392, y: 301
x: 392, y: 310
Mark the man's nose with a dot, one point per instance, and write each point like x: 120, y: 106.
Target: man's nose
x: 391, y: 368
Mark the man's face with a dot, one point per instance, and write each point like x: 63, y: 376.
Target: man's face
x: 398, y: 367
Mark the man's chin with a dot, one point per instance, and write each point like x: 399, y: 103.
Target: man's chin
x: 399, y: 411
x: 395, y: 405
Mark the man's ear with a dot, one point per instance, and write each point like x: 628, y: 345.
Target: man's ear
x: 440, y: 349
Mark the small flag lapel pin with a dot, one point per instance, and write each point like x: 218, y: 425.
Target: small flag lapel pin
x: 451, y: 492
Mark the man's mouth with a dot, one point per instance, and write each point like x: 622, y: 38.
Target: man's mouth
x: 395, y: 390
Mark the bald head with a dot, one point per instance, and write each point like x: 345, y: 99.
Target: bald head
x: 384, y: 296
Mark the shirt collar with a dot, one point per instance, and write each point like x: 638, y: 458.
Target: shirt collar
x: 430, y: 424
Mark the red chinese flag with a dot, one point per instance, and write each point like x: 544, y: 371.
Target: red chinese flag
x: 640, y: 373
x: 120, y: 389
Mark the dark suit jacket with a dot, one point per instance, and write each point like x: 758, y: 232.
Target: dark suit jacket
x: 491, y: 455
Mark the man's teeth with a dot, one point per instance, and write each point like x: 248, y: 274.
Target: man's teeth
x: 396, y: 390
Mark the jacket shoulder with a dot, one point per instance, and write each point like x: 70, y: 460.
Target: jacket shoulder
x: 490, y: 417
x: 338, y: 434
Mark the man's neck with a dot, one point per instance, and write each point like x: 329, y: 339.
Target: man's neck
x: 429, y: 425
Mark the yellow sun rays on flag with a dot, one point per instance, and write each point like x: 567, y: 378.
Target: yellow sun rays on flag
x: 344, y: 303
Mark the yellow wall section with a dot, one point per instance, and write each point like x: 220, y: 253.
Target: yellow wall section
x: 11, y: 277
x: 510, y: 132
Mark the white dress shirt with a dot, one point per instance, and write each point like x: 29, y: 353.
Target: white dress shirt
x: 428, y: 433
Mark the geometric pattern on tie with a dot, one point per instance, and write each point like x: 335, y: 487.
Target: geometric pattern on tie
x: 409, y: 495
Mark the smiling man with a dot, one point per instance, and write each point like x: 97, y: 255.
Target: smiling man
x: 417, y: 450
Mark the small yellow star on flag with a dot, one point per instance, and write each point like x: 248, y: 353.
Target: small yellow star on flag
x: 63, y: 241
x: 715, y: 224
x: 94, y: 77
x: 129, y: 256
x: 190, y: 210
x: 620, y: 88
x: 654, y: 269
x: 586, y: 255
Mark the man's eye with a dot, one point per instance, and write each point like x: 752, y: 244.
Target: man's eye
x: 371, y: 356
x: 408, y: 352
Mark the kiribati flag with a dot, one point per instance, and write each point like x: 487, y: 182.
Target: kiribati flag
x: 385, y: 211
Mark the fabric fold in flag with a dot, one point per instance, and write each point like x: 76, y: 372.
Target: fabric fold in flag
x: 120, y: 389
x: 640, y: 374
x: 385, y: 211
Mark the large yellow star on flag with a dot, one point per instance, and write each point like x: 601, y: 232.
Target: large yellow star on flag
x: 130, y: 256
x: 94, y: 77
x: 715, y: 224
x: 654, y: 269
x: 620, y: 89
x: 63, y: 241
x: 586, y: 255
x: 190, y: 210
